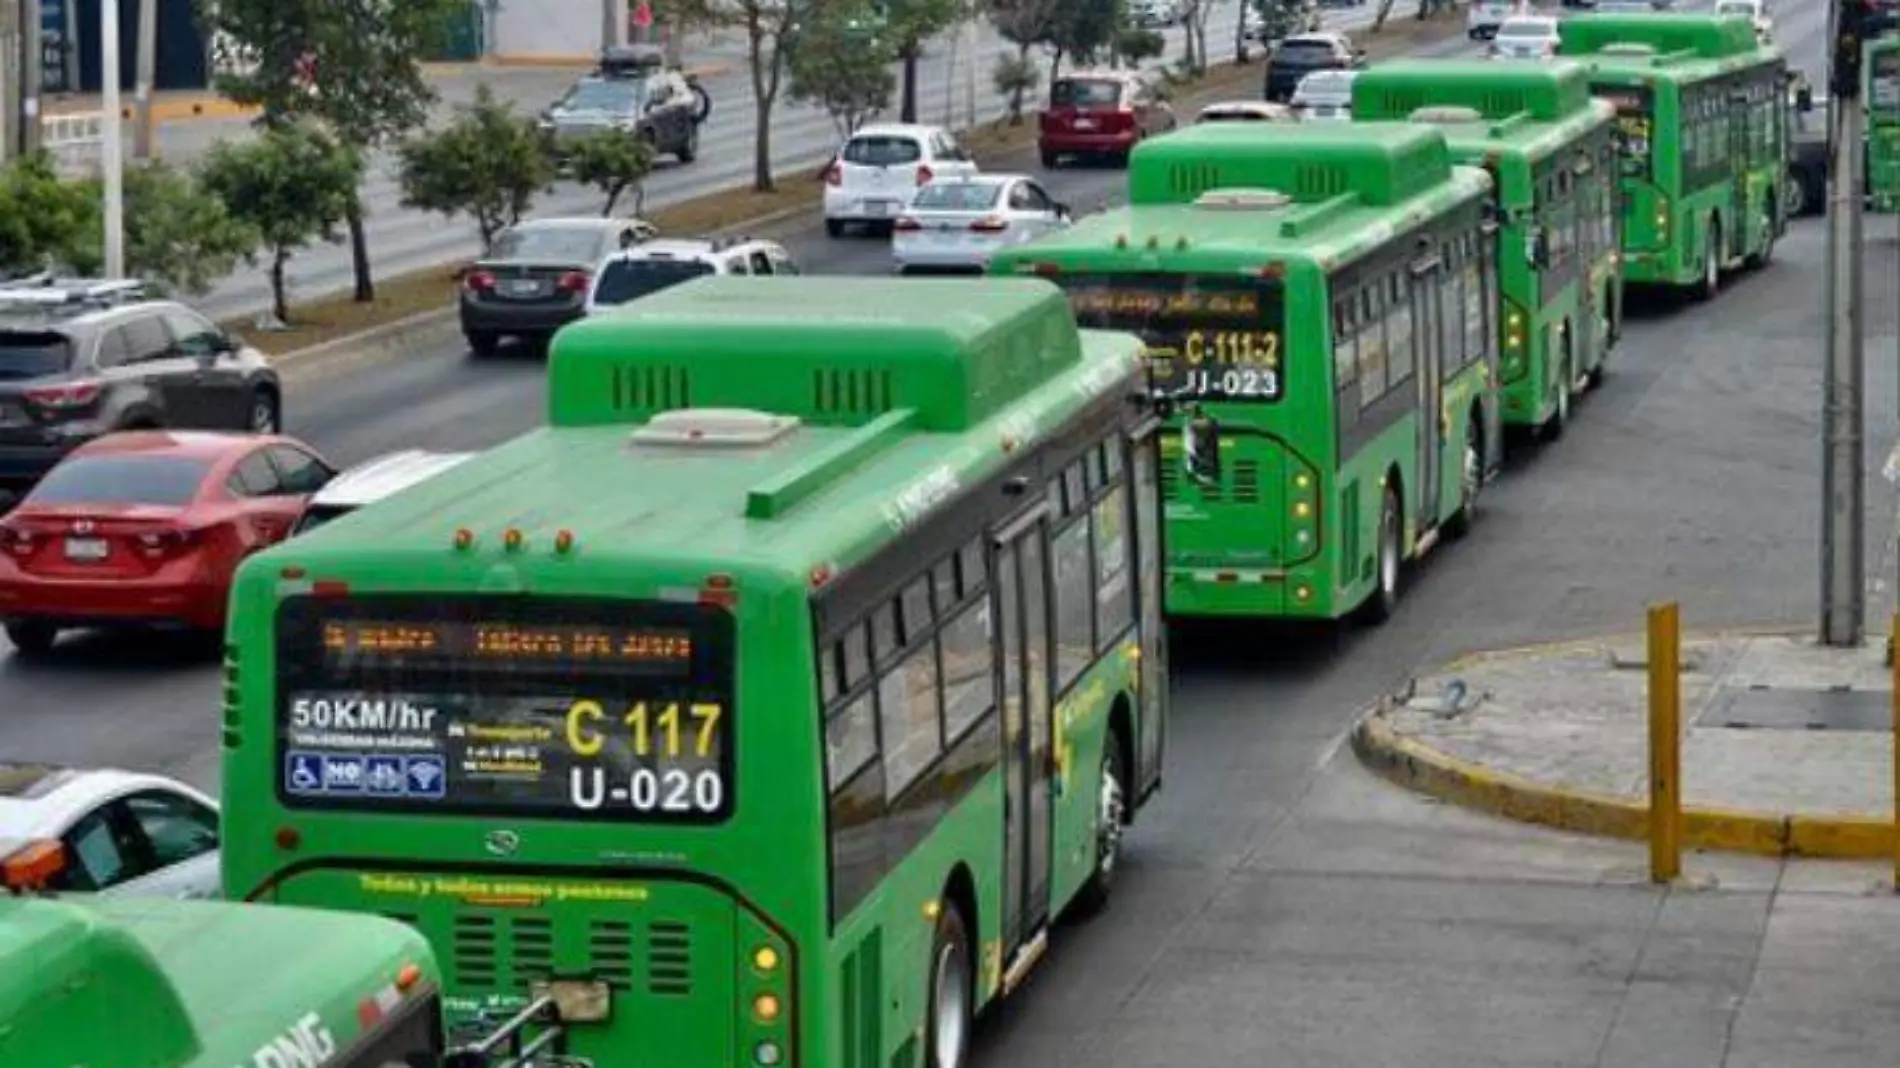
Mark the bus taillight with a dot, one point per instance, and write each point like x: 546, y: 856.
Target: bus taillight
x: 718, y: 589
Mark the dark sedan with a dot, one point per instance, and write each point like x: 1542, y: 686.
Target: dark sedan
x: 1305, y: 53
x: 535, y: 278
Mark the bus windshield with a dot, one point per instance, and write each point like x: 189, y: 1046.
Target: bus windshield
x: 1635, y: 118
x: 553, y: 707
x: 1208, y: 337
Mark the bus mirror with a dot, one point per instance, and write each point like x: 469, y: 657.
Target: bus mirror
x: 1537, y: 248
x: 1202, y: 455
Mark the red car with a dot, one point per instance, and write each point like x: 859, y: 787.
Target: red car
x: 147, y: 528
x: 1100, y: 113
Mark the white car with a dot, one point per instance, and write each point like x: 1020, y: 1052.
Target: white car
x: 367, y: 483
x: 1485, y: 16
x: 122, y: 832
x: 1755, y: 11
x: 644, y: 269
x: 1246, y: 111
x: 1154, y: 14
x: 879, y: 168
x: 959, y: 223
x: 1525, y: 37
x: 1324, y: 96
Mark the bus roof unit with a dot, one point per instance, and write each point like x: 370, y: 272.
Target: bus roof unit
x: 828, y: 353
x: 1311, y: 163
x: 1543, y: 92
x: 1662, y: 38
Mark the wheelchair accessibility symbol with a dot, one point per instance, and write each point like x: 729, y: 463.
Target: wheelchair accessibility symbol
x: 303, y: 773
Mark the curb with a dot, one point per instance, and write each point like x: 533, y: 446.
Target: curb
x: 1426, y: 770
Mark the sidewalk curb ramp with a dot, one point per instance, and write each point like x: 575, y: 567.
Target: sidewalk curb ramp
x: 1427, y: 770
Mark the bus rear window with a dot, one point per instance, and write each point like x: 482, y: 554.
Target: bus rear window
x: 1210, y: 338
x: 1635, y: 121
x: 546, y: 707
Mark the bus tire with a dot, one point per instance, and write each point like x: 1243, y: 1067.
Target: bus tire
x: 1470, y: 481
x: 1390, y: 563
x: 1770, y: 219
x: 1110, y: 817
x: 1711, y: 282
x: 947, y: 1031
x: 1559, y: 421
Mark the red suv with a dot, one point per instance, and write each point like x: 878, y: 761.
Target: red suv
x: 1100, y: 113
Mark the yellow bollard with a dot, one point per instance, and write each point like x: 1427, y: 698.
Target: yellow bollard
x: 1893, y: 662
x: 1665, y: 742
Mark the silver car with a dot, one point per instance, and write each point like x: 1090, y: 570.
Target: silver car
x: 369, y: 482
x: 958, y: 223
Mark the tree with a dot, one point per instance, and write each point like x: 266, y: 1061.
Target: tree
x: 613, y: 161
x: 179, y: 235
x: 843, y: 70
x: 487, y: 163
x: 770, y: 27
x: 44, y: 221
x: 1015, y: 77
x: 355, y: 66
x: 909, y: 23
x: 292, y: 185
x: 1138, y: 46
x: 1194, y: 15
x: 1278, y: 19
x: 1082, y: 29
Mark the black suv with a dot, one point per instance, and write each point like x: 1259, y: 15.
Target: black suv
x: 663, y: 106
x: 1301, y: 55
x: 81, y: 358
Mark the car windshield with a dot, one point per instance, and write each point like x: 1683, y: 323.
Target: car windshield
x: 567, y: 244
x: 30, y: 354
x: 882, y: 150
x: 603, y: 96
x: 1085, y: 93
x: 958, y: 196
x: 626, y: 280
x: 118, y: 479
x: 1307, y: 52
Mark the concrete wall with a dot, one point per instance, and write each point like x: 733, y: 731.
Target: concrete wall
x: 555, y: 29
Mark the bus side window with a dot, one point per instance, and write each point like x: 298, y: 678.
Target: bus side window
x: 908, y: 718
x: 973, y: 569
x: 856, y: 661
x: 1114, y: 591
x: 850, y: 741
x: 969, y: 691
x: 1075, y: 600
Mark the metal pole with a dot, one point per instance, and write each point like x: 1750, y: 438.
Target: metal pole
x: 32, y: 74
x: 112, y: 148
x: 147, y: 71
x: 1843, y: 490
x: 1665, y: 742
x: 610, y: 27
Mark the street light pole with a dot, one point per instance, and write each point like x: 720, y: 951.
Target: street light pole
x: 1843, y: 492
x: 112, y: 137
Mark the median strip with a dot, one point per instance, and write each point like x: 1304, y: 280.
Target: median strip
x: 417, y: 309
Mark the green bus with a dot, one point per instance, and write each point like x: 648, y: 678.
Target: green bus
x: 1881, y: 72
x: 1318, y: 300
x: 1551, y: 150
x: 112, y: 982
x: 1702, y: 122
x: 790, y: 683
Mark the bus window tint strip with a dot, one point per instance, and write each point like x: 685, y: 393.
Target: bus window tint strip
x: 1209, y: 338
x: 404, y: 703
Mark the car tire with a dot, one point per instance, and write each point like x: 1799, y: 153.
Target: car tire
x: 32, y: 638
x: 689, y: 148
x: 266, y: 413
x: 483, y: 345
x: 834, y: 227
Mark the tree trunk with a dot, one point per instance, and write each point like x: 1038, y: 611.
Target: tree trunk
x: 1240, y: 33
x: 359, y: 249
x: 908, y: 109
x: 1016, y: 95
x: 280, y: 303
x: 613, y: 197
x: 765, y: 79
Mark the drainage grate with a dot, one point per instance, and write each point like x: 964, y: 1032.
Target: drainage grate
x: 1795, y: 709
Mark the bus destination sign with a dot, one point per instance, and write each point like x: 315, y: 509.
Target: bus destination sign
x: 363, y: 643
x: 1207, y: 338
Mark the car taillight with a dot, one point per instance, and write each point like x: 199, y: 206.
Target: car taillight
x: 907, y: 224
x: 156, y: 543
x: 15, y: 540
x: 574, y: 282
x: 990, y: 224
x: 69, y: 395
x: 834, y: 174
x: 923, y: 174
x: 479, y: 282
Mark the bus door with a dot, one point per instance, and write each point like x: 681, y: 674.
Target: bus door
x: 1022, y: 614
x: 1144, y: 454
x: 1740, y: 162
x: 1432, y: 422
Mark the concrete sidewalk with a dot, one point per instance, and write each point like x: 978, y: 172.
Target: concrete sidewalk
x: 1787, y: 745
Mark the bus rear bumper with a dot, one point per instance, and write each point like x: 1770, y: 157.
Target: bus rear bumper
x: 1230, y: 593
x: 1656, y: 268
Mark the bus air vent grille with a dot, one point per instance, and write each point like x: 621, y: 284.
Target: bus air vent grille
x: 474, y: 951
x: 850, y: 393
x: 1170, y: 482
x: 651, y: 388
x: 1319, y: 182
x: 1247, y: 482
x: 610, y: 949
x: 669, y: 958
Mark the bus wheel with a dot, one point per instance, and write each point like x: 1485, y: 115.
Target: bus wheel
x: 1760, y: 259
x: 1559, y: 421
x: 1379, y: 607
x: 950, y: 1015
x: 1110, y: 808
x: 1711, y: 283
x: 1470, y: 481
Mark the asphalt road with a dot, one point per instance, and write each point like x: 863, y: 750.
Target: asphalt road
x: 1279, y: 906
x: 403, y: 240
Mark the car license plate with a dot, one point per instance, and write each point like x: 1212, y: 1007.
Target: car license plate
x: 522, y: 287
x: 880, y: 207
x: 1085, y: 124
x: 86, y: 550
